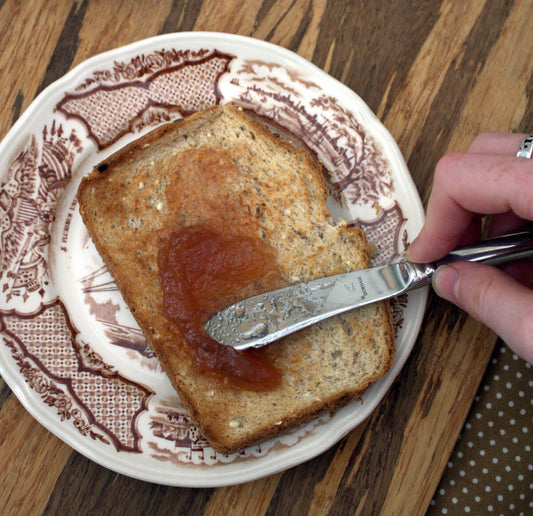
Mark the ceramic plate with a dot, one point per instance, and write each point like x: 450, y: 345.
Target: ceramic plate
x: 69, y: 348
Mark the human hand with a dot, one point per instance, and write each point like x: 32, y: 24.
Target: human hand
x: 488, y: 179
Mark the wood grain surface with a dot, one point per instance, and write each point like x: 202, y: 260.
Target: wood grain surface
x: 436, y: 73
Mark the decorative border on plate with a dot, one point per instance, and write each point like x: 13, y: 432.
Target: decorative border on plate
x: 29, y: 194
x: 69, y: 376
x: 145, y: 100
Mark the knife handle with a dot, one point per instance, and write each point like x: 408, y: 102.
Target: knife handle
x: 494, y: 251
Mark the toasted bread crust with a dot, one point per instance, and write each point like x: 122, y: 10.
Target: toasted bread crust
x: 124, y: 206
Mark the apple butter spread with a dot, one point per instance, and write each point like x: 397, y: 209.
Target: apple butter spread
x: 207, y: 266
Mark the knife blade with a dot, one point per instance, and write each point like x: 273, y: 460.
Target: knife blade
x: 261, y: 319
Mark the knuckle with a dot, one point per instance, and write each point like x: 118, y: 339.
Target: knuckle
x: 446, y: 166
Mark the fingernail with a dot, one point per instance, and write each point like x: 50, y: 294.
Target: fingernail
x: 445, y: 282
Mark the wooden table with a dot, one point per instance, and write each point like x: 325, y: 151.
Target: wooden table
x: 436, y: 73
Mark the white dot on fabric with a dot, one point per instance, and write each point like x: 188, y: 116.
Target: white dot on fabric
x: 499, y: 395
x: 518, y: 458
x: 511, y: 403
x: 508, y: 385
x: 482, y: 453
x: 467, y: 509
x: 475, y: 481
x: 510, y: 487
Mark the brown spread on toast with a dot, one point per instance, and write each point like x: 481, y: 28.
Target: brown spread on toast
x: 208, y: 266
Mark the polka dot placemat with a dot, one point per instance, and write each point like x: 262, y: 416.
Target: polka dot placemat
x: 491, y: 468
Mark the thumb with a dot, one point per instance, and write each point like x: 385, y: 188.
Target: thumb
x: 492, y: 297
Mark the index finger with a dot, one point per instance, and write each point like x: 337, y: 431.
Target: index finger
x: 466, y: 185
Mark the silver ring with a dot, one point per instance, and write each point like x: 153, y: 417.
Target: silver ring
x: 526, y: 147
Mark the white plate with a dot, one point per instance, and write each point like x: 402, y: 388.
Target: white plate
x: 69, y: 348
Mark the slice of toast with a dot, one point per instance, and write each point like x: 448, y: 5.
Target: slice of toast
x: 263, y: 187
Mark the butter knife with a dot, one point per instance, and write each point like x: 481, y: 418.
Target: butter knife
x: 261, y: 319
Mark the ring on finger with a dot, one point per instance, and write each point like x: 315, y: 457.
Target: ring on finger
x: 526, y: 147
